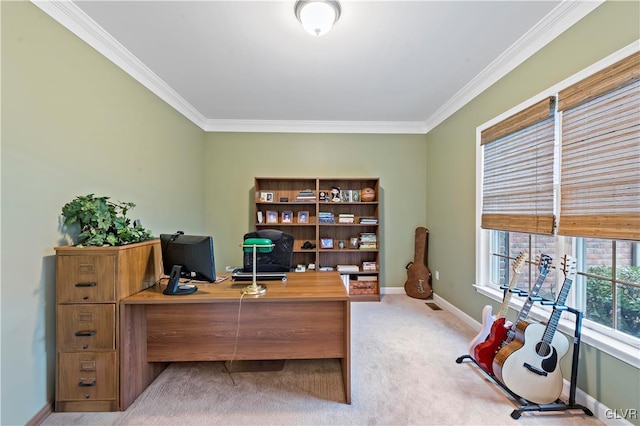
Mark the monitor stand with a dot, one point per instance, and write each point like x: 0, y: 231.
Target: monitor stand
x: 173, y: 287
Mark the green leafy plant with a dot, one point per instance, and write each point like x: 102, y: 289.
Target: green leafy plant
x: 103, y: 222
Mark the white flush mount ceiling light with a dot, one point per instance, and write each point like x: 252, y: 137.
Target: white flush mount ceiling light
x: 317, y: 16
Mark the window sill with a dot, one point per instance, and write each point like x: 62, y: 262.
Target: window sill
x: 623, y: 351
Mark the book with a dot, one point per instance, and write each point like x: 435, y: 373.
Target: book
x: 369, y: 266
x: 368, y: 220
x: 325, y: 217
x: 348, y: 268
x: 367, y: 278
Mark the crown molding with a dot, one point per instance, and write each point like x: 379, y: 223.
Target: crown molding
x: 560, y: 19
x: 566, y: 14
x: 311, y: 126
x: 79, y: 23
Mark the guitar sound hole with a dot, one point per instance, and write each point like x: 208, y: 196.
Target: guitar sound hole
x: 543, y: 349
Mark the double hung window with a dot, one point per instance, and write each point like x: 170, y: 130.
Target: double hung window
x: 562, y: 177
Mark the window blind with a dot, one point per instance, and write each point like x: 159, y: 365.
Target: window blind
x: 517, y: 182
x: 600, y: 160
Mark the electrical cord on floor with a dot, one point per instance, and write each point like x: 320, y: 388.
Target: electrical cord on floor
x: 235, y: 345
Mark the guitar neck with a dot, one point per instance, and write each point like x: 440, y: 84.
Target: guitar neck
x: 552, y: 325
x: 421, y: 242
x: 524, y: 312
x: 504, y: 308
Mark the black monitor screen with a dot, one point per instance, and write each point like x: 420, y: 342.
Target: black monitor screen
x: 193, y: 253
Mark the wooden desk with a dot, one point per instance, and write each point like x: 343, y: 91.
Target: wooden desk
x: 305, y: 317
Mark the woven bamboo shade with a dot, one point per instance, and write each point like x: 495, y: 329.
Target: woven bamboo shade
x: 517, y: 184
x: 600, y: 162
x: 610, y: 78
x: 519, y: 121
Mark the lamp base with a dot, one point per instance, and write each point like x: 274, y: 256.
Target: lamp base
x: 254, y: 289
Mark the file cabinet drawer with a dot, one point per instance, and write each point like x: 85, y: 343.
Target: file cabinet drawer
x: 85, y: 279
x: 86, y: 327
x: 87, y: 376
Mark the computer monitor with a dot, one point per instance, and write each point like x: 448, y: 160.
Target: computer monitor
x: 187, y: 256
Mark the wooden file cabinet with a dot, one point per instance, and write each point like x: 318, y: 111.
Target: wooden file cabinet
x: 90, y: 282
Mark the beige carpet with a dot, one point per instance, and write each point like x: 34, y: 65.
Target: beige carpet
x: 403, y: 373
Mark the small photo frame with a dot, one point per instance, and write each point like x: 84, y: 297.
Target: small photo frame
x: 353, y: 242
x: 303, y: 217
x: 272, y: 216
x: 326, y: 243
x: 335, y: 194
x: 287, y: 217
x: 266, y: 197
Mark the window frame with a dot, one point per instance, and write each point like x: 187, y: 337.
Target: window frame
x: 620, y: 345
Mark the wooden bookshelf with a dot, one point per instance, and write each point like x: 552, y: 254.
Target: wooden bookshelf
x: 360, y: 241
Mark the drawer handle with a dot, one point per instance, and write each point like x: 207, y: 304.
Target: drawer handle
x: 84, y: 384
x: 83, y: 333
x: 85, y: 284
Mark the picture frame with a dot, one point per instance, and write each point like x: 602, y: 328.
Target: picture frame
x: 287, y: 217
x: 303, y: 217
x: 272, y: 216
x: 259, y: 217
x: 335, y: 194
x: 326, y: 243
x: 266, y: 197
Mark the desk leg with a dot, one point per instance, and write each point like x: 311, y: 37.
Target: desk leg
x: 135, y: 372
x: 346, y: 361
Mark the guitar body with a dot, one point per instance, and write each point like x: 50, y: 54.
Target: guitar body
x: 530, y: 365
x: 505, y: 351
x: 486, y: 351
x: 493, y: 333
x: 530, y: 372
x: 487, y: 321
x: 418, y: 283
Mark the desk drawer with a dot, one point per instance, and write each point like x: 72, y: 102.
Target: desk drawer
x: 85, y: 279
x: 86, y: 327
x: 86, y: 376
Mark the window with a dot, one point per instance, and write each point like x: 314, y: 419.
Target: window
x: 609, y: 273
x: 578, y: 172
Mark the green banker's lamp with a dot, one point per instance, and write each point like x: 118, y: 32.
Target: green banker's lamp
x: 262, y: 245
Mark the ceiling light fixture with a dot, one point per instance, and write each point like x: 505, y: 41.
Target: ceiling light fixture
x: 317, y: 16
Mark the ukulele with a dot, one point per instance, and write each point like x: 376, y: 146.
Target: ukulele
x: 544, y: 263
x: 531, y: 367
x: 418, y: 283
x: 484, y: 352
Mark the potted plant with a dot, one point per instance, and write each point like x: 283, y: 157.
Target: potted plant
x: 103, y: 222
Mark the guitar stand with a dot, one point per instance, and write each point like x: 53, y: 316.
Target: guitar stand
x: 558, y: 405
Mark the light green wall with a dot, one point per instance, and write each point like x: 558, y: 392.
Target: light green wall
x: 234, y: 159
x: 451, y: 179
x: 73, y: 123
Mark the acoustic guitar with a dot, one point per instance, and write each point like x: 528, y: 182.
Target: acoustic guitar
x: 544, y: 263
x: 531, y: 367
x: 484, y: 351
x: 418, y: 283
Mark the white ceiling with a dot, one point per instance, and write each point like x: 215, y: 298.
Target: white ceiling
x: 386, y: 66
